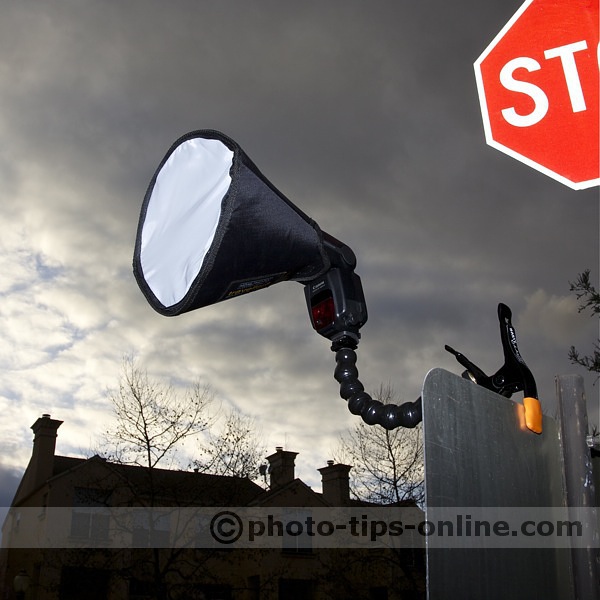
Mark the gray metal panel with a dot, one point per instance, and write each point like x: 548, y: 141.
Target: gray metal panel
x: 478, y: 454
x: 579, y: 479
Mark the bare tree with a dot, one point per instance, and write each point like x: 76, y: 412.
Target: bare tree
x: 590, y: 300
x: 387, y: 466
x: 236, y: 449
x: 153, y: 419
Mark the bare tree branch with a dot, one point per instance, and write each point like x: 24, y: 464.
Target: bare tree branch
x: 235, y: 450
x: 152, y: 418
x: 590, y: 297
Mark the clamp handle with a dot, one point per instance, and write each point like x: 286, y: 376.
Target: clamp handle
x: 513, y: 376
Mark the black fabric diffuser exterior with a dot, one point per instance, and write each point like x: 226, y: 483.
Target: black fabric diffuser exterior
x: 261, y: 238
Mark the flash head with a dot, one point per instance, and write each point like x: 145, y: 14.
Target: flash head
x: 335, y: 300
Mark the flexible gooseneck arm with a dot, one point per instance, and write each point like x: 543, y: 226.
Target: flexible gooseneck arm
x: 373, y: 412
x: 338, y: 310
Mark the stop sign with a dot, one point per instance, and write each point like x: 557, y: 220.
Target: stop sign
x: 538, y: 89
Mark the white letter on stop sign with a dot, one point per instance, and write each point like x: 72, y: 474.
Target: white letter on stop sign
x: 567, y: 58
x: 540, y: 99
x: 566, y: 54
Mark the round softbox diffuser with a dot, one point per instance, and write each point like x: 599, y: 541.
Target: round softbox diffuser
x: 212, y: 227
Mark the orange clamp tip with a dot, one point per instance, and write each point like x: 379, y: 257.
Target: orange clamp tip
x: 533, y: 414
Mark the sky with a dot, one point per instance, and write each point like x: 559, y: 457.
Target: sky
x: 365, y: 115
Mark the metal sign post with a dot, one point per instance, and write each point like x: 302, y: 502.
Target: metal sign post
x: 579, y: 480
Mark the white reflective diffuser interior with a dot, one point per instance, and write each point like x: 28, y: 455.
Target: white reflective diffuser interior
x: 182, y: 216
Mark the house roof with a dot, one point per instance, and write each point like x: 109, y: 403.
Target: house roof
x: 188, y: 487
x: 165, y: 486
x: 293, y: 493
x: 184, y: 488
x: 65, y: 463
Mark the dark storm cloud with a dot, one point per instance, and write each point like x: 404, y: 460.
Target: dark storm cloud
x: 364, y: 114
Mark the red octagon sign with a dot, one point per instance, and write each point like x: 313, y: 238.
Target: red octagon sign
x: 538, y: 89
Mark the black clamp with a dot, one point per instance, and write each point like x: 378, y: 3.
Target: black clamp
x: 513, y: 376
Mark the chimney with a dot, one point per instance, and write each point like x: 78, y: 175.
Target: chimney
x: 281, y: 467
x: 336, y: 483
x: 44, y: 443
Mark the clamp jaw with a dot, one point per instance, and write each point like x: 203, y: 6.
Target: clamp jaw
x: 513, y: 376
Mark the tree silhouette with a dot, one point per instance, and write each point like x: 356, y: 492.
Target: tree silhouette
x: 236, y: 449
x: 152, y: 419
x: 590, y: 301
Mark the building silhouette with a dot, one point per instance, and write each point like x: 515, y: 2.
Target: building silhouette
x: 60, y: 535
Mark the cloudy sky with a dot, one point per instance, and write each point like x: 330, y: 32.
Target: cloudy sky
x: 365, y: 115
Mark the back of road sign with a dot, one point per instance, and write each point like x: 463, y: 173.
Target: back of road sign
x: 478, y: 455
